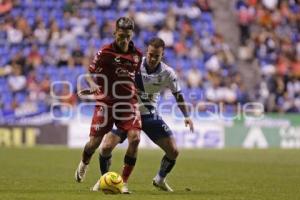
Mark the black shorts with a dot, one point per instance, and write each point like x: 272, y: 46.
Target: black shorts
x: 153, y: 125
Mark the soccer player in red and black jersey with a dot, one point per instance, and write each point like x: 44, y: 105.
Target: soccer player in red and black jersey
x: 114, y: 69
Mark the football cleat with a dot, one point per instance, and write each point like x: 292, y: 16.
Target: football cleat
x: 80, y: 172
x: 96, y: 187
x: 162, y: 186
x: 125, y: 189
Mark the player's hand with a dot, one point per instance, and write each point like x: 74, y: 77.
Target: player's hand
x: 189, y: 122
x: 95, y: 89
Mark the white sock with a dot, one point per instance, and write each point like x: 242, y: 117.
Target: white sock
x: 82, y: 163
x: 159, y: 179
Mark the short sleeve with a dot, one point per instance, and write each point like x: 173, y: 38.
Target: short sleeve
x: 174, y: 82
x: 97, y: 63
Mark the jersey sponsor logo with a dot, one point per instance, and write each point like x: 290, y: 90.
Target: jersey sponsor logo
x: 127, y: 64
x: 99, y: 69
x: 117, y: 59
x: 118, y: 62
x: 159, y: 80
x: 147, y: 78
x: 124, y: 72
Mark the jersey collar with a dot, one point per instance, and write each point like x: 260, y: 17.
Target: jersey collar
x: 118, y: 50
x: 158, y: 67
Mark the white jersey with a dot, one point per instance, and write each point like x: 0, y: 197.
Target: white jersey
x: 150, y: 86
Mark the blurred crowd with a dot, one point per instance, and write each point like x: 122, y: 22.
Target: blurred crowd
x: 270, y: 34
x: 46, y: 45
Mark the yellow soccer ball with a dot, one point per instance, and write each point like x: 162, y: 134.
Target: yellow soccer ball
x: 111, y: 183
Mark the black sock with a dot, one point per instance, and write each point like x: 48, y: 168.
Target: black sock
x: 129, y: 163
x: 104, y: 163
x: 166, y: 166
x: 128, y: 160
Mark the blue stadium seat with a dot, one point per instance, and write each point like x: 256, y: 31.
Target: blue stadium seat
x: 61, y: 23
x: 79, y: 70
x: 65, y: 71
x: 83, y: 42
x: 5, y: 59
x: 186, y: 64
x: 56, y: 14
x: 138, y: 6
x: 49, y: 4
x: 60, y: 3
x: 148, y: 6
x: 84, y: 12
x: 16, y: 12
x: 7, y: 98
x: 200, y: 64
x: 20, y: 97
x: 29, y: 13
x: 54, y: 10
x: 7, y: 107
x: 35, y: 4
x: 109, y: 14
x: 207, y: 17
x: 42, y: 50
x: 31, y: 20
x: 52, y: 71
x: 163, y: 6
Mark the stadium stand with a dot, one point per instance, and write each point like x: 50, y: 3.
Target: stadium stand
x: 270, y: 33
x: 46, y: 41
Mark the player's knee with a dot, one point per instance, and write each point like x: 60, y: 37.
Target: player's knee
x: 95, y: 141
x: 134, y: 141
x: 91, y: 146
x: 106, y: 148
x: 88, y: 150
x: 173, y: 153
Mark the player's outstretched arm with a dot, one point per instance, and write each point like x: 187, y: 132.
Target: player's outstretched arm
x: 185, y: 111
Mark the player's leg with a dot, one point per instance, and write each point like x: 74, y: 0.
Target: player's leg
x: 168, y: 161
x: 87, y: 154
x: 109, y: 142
x: 101, y: 124
x: 133, y: 137
x: 130, y: 123
x: 159, y: 132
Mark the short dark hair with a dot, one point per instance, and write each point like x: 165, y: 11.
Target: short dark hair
x: 157, y: 42
x: 125, y: 23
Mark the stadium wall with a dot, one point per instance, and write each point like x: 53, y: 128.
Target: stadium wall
x: 29, y: 136
x: 273, y: 131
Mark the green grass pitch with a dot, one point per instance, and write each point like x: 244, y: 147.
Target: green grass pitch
x: 48, y: 173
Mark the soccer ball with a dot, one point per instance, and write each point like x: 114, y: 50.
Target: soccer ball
x: 111, y: 183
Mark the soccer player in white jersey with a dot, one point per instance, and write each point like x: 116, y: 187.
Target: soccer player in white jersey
x: 155, y: 77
